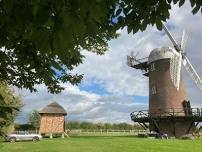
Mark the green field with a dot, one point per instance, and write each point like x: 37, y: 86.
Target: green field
x: 104, y: 144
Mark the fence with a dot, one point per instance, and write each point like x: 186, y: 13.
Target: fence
x: 25, y: 132
x: 103, y: 132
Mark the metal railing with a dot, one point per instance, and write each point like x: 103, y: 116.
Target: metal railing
x: 171, y: 112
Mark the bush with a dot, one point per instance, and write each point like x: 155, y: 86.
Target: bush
x: 24, y: 127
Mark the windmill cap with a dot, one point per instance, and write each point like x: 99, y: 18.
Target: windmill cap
x: 53, y: 108
x: 161, y: 53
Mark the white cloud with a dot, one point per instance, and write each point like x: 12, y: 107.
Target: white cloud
x: 81, y: 105
x: 111, y: 72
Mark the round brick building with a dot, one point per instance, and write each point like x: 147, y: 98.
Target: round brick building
x: 164, y: 97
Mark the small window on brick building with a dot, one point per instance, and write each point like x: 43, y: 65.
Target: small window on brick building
x: 153, y: 90
x: 152, y: 67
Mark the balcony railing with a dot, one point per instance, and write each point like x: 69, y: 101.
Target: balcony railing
x: 183, y: 112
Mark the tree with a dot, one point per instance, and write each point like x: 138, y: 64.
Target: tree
x: 87, y: 125
x: 108, y: 126
x: 9, y: 106
x: 136, y: 14
x: 41, y: 41
x: 23, y: 127
x: 34, y: 119
x: 100, y: 125
x: 72, y: 125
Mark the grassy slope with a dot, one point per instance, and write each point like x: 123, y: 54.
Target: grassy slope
x: 105, y: 144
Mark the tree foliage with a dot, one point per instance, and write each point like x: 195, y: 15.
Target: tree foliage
x: 136, y: 14
x: 9, y: 106
x: 34, y: 119
x: 97, y: 126
x: 41, y: 40
x: 24, y: 127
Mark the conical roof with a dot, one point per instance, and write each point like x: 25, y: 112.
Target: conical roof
x: 53, y: 108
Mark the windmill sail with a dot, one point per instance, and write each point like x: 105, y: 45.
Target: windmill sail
x: 183, y: 40
x: 192, y: 72
x: 176, y: 61
x: 175, y: 69
x: 171, y: 38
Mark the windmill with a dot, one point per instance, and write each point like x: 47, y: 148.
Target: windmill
x: 169, y: 111
x: 182, y: 58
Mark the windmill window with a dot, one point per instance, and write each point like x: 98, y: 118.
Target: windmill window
x: 153, y: 90
x: 152, y: 67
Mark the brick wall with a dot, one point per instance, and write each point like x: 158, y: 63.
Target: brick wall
x: 166, y: 96
x: 52, y: 123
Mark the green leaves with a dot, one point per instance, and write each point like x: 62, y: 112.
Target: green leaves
x: 196, y: 5
x: 40, y: 41
x: 34, y: 119
x: 158, y: 24
x: 175, y: 1
x: 193, y: 2
x: 39, y: 36
x: 196, y: 9
x: 9, y: 105
x: 118, y: 12
x: 169, y: 1
x: 139, y: 14
x: 181, y: 2
x: 8, y: 5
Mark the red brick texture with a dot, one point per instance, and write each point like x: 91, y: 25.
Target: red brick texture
x: 166, y: 97
x: 52, y: 123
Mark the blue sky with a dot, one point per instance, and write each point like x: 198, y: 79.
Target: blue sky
x: 94, y: 88
x: 101, y: 90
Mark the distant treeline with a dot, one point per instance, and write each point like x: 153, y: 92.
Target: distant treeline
x: 89, y: 125
x: 85, y: 125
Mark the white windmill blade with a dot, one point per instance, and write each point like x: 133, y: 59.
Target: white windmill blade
x: 192, y: 72
x: 176, y: 61
x: 175, y: 69
x: 183, y: 40
x: 177, y: 47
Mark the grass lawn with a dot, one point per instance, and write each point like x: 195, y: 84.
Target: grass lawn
x: 104, y: 144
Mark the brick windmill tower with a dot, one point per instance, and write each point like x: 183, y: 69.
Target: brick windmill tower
x: 169, y: 111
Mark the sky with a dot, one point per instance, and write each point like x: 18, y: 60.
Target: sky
x: 111, y: 90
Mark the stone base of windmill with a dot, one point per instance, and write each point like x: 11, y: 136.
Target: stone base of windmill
x: 178, y: 129
x: 177, y: 125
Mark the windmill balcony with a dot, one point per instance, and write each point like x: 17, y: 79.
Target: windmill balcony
x: 183, y: 113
